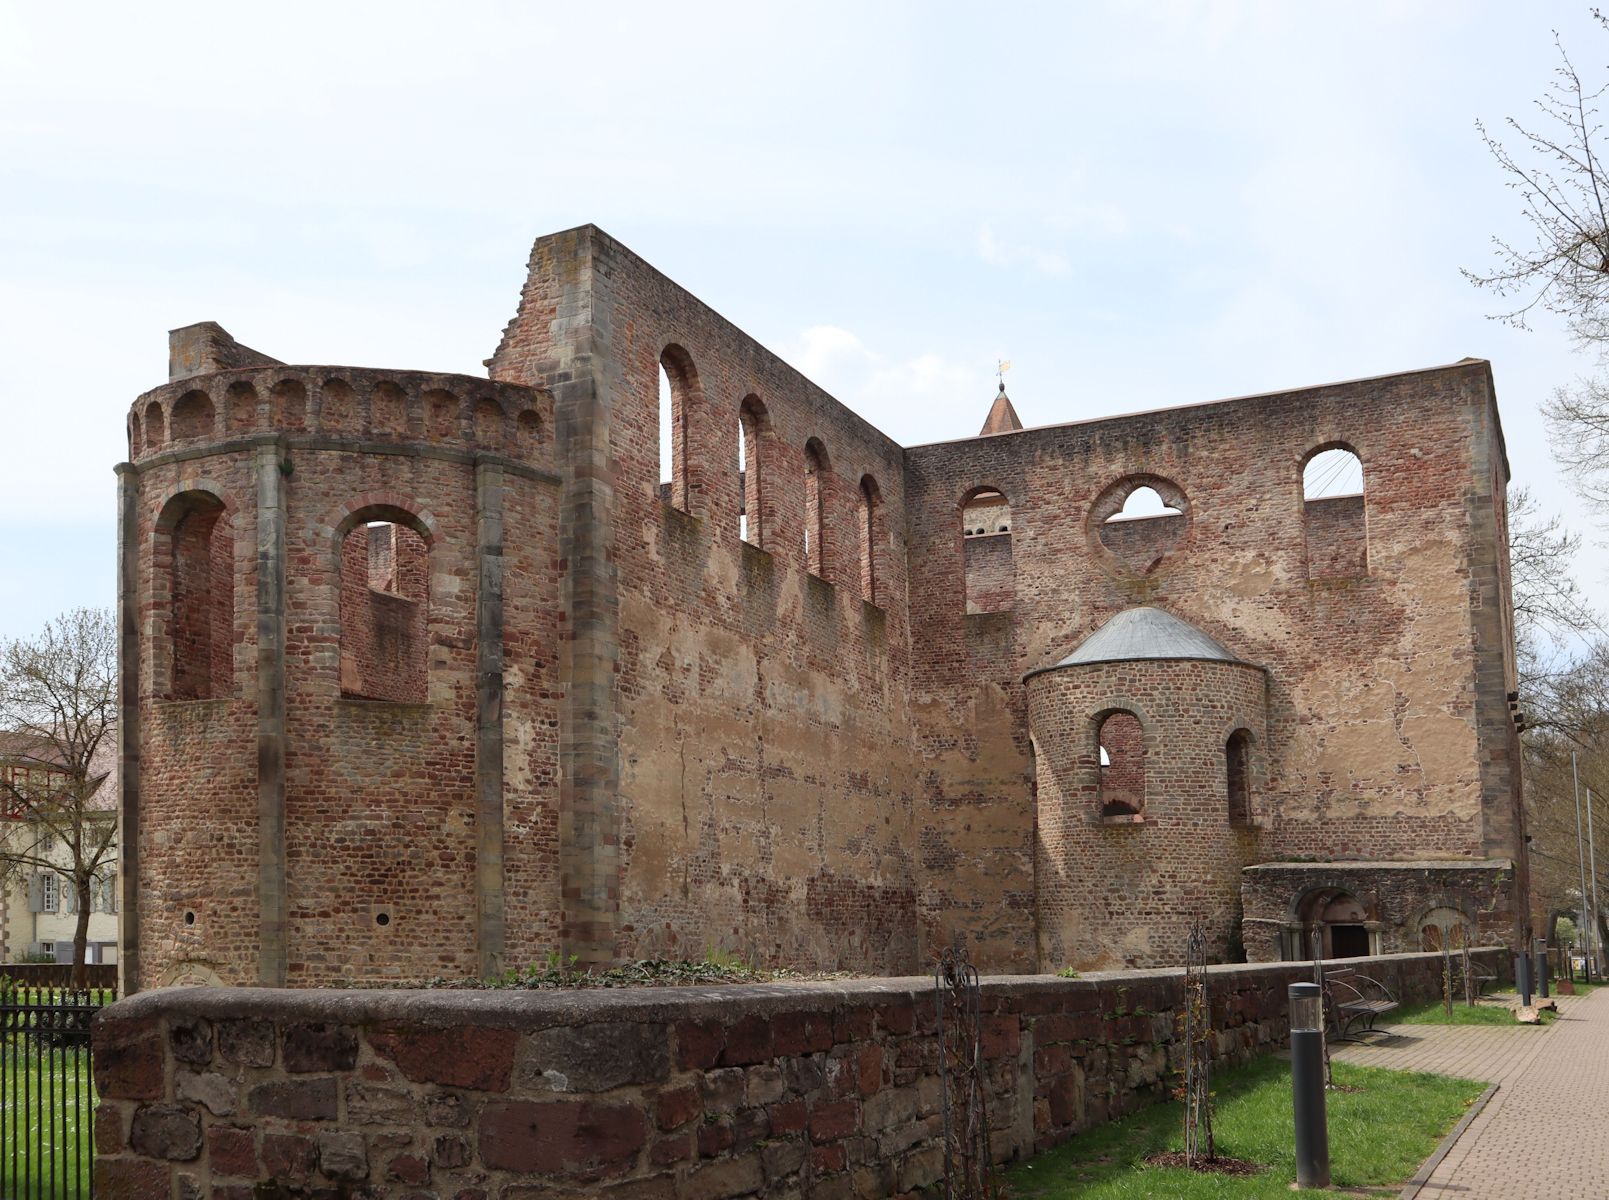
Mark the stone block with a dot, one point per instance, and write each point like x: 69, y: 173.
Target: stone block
x: 294, y: 1099
x: 126, y: 1178
x: 585, y: 1139
x: 465, y: 1056
x: 412, y: 1169
x: 725, y: 1179
x: 371, y: 1104
x: 445, y: 1108
x: 249, y: 1043
x: 209, y: 1089
x: 699, y: 1044
x: 231, y: 1152
x: 452, y: 1151
x: 748, y: 1041
x: 288, y: 1158
x: 191, y: 1041
x: 676, y: 1106
x: 128, y: 1060
x: 833, y: 1119
x: 594, y: 1058
x: 763, y: 1084
x: 111, y: 1130
x: 311, y: 1046
x: 342, y: 1155
x: 722, y: 1089
x: 170, y: 1131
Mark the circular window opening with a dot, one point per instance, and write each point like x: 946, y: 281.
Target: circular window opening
x: 1139, y: 520
x: 382, y: 919
x: 189, y: 918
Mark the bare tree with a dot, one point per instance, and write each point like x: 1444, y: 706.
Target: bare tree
x: 1564, y: 196
x: 58, y: 697
x: 1578, y: 430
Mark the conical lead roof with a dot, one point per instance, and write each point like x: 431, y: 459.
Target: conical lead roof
x: 1002, y: 417
x: 1146, y: 633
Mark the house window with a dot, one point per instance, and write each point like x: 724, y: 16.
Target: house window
x: 49, y: 893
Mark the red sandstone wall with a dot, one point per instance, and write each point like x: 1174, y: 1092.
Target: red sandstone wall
x: 1381, y: 738
x: 766, y: 776
x: 830, y: 1090
x: 380, y: 794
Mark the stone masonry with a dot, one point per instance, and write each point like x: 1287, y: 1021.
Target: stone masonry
x: 430, y: 675
x: 820, y: 1089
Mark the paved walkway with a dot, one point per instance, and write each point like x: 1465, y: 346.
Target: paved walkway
x: 1545, y: 1133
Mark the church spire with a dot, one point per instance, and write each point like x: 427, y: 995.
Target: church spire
x: 1002, y: 417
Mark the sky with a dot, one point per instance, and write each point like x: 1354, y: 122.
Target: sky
x: 1139, y: 205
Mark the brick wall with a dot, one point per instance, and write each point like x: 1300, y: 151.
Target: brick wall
x: 1120, y: 890
x: 754, y: 707
x: 381, y: 826
x: 832, y: 1089
x: 1385, y: 727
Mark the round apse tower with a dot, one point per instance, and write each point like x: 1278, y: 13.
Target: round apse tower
x: 1148, y: 747
x: 322, y: 572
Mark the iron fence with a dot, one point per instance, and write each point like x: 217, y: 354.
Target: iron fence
x: 47, y: 1094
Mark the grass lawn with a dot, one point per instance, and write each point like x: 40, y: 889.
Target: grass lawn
x: 1378, y: 1137
x: 1488, y: 1012
x: 46, y: 1104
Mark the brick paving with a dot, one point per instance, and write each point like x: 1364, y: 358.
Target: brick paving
x: 1545, y: 1133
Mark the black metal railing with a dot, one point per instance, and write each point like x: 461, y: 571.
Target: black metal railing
x: 47, y: 1092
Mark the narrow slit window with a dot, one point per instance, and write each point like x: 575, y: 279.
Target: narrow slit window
x: 869, y: 519
x: 678, y: 394
x: 1237, y: 777
x: 815, y: 524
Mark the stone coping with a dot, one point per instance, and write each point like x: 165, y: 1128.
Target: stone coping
x: 538, y: 1008
x: 1426, y: 864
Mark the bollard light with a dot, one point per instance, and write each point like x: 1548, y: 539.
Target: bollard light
x: 1522, y: 977
x: 1307, y: 1086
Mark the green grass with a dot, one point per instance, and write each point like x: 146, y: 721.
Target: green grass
x: 26, y: 1081
x: 1488, y: 1012
x: 1378, y: 1137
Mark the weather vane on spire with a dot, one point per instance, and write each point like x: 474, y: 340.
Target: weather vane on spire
x: 1001, y: 367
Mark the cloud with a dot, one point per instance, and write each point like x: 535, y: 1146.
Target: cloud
x: 999, y: 253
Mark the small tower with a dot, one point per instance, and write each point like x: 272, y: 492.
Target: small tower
x: 1002, y: 417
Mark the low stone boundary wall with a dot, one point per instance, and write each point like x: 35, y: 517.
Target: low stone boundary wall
x: 807, y: 1089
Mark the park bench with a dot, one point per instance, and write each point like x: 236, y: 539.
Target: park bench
x: 1354, y: 1002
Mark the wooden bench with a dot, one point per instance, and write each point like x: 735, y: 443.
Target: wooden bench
x: 1353, y: 1002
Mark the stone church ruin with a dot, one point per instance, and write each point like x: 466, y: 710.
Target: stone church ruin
x: 430, y: 675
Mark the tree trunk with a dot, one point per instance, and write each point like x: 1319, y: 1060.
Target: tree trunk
x: 81, y: 933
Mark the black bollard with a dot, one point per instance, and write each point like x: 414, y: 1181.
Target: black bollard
x: 1522, y: 977
x: 1540, y: 957
x: 1307, y: 1086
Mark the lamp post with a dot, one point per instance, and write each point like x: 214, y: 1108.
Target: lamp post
x: 1307, y: 1086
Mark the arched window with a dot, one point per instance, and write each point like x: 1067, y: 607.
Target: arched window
x: 1237, y: 776
x: 192, y: 417
x: 1443, y: 928
x: 195, y: 559
x: 991, y: 577
x: 1120, y: 746
x: 1334, y: 514
x: 866, y: 525
x: 815, y: 523
x: 751, y: 419
x: 385, y: 601
x: 678, y: 388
